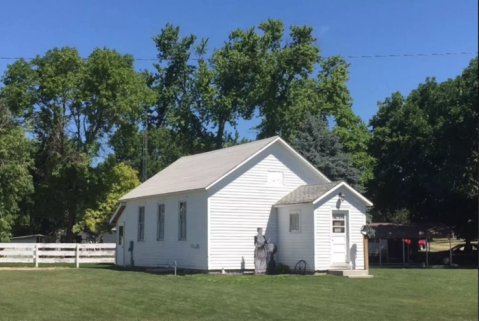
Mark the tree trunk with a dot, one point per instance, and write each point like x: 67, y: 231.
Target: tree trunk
x: 70, y: 237
x: 72, y: 206
x: 468, y: 246
x: 220, y: 134
x: 414, y: 250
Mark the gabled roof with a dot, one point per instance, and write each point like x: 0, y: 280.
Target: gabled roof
x: 197, y: 171
x: 314, y: 193
x: 202, y: 171
x: 119, y: 210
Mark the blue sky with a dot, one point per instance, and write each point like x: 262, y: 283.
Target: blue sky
x: 366, y: 27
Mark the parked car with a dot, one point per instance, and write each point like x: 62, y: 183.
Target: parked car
x: 459, y: 255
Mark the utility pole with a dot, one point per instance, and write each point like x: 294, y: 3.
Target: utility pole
x: 144, y: 174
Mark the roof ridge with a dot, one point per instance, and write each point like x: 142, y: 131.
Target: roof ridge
x: 221, y: 149
x: 322, y: 184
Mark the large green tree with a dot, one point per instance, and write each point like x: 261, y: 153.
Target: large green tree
x: 352, y: 131
x: 287, y: 79
x: 15, y: 162
x: 425, y: 146
x: 257, y: 70
x: 74, y: 105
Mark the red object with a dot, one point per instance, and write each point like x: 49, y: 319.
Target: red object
x: 420, y: 242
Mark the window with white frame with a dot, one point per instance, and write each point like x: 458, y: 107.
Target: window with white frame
x: 160, y: 228
x: 294, y: 222
x: 141, y: 223
x: 182, y: 222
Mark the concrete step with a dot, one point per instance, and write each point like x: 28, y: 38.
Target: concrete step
x: 360, y: 276
x: 349, y: 273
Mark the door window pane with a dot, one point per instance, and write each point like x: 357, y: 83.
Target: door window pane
x: 338, y: 216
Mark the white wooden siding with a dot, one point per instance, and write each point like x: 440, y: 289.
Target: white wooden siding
x: 356, y: 219
x: 190, y: 253
x: 296, y: 246
x: 243, y: 201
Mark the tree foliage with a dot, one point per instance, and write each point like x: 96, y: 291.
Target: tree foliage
x: 15, y: 162
x: 258, y: 71
x: 425, y: 146
x: 114, y: 180
x: 323, y: 149
x: 74, y: 105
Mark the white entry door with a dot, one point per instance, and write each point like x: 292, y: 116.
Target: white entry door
x: 339, y: 238
x: 120, y: 245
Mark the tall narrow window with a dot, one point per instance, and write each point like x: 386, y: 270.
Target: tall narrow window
x: 182, y: 222
x: 294, y: 222
x: 121, y: 235
x: 160, y: 233
x: 141, y: 223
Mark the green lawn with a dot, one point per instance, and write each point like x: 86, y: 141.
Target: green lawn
x: 105, y: 294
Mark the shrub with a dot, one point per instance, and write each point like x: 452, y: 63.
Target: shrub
x: 282, y: 269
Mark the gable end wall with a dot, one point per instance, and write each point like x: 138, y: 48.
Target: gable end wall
x: 243, y: 201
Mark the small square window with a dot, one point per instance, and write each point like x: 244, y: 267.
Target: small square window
x: 294, y: 222
x: 275, y: 179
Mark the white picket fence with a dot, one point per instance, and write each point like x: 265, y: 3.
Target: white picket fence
x: 57, y: 253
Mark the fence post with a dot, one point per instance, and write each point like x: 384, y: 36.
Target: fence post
x: 366, y: 252
x: 77, y: 255
x: 36, y: 255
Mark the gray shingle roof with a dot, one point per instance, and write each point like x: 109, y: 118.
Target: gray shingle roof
x: 307, y: 193
x: 197, y: 171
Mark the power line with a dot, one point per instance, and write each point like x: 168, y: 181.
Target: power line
x: 347, y: 57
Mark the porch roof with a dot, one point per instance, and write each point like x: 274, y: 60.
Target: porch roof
x: 314, y: 193
x: 307, y: 193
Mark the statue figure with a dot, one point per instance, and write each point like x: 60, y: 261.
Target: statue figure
x: 264, y: 254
